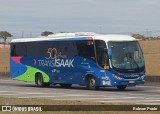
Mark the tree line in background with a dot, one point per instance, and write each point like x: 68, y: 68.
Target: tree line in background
x: 143, y: 37
x: 46, y: 33
x: 4, y: 35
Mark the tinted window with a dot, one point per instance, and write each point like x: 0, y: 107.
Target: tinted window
x: 85, y: 49
x: 45, y: 47
x: 33, y: 48
x: 101, y: 54
x: 73, y: 48
x: 18, y: 49
x: 50, y: 48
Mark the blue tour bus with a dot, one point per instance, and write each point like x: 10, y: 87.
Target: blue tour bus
x: 93, y: 60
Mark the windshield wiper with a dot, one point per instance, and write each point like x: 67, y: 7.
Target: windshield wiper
x: 130, y: 56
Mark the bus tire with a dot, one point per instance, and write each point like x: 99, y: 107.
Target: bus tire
x: 91, y: 83
x: 66, y: 85
x: 39, y: 80
x: 121, y: 87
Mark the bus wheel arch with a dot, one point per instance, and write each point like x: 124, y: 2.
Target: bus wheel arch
x: 91, y: 82
x: 39, y: 80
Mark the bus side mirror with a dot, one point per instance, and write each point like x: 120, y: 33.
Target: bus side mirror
x: 109, y: 51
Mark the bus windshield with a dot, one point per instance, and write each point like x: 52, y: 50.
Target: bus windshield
x: 126, y: 56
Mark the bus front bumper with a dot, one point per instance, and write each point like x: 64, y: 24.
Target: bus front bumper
x: 127, y: 83
x: 122, y: 82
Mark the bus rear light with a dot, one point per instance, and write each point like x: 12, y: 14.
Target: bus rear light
x: 89, y: 38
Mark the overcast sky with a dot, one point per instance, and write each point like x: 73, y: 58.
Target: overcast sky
x: 107, y: 16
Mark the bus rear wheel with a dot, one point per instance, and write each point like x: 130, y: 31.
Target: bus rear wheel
x: 66, y: 85
x: 91, y: 83
x: 121, y: 87
x: 39, y: 81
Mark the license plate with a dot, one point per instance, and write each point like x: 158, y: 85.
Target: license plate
x: 131, y: 82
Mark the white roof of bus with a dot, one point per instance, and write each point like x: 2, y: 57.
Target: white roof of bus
x: 112, y: 37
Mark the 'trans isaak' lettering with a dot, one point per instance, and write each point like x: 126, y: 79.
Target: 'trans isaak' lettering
x: 56, y: 63
x: 55, y: 59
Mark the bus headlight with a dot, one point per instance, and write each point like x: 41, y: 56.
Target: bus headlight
x: 143, y: 77
x: 117, y: 77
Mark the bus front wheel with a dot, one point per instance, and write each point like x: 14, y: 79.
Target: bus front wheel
x: 121, y: 87
x: 91, y: 83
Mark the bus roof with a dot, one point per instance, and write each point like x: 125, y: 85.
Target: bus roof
x: 78, y: 36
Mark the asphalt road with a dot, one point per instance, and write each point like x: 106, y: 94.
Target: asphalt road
x: 136, y: 95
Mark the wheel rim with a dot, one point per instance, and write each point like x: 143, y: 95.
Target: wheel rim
x: 92, y: 82
x: 40, y: 80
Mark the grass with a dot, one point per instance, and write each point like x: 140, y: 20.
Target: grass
x: 39, y: 101
x: 34, y: 101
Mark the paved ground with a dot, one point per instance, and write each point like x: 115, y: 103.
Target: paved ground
x: 138, y: 95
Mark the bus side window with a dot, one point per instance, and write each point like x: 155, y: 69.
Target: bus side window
x: 66, y: 49
x: 33, y: 49
x: 19, y: 50
x: 101, y: 55
x: 85, y: 49
x: 13, y: 50
x: 44, y: 49
x: 71, y: 48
